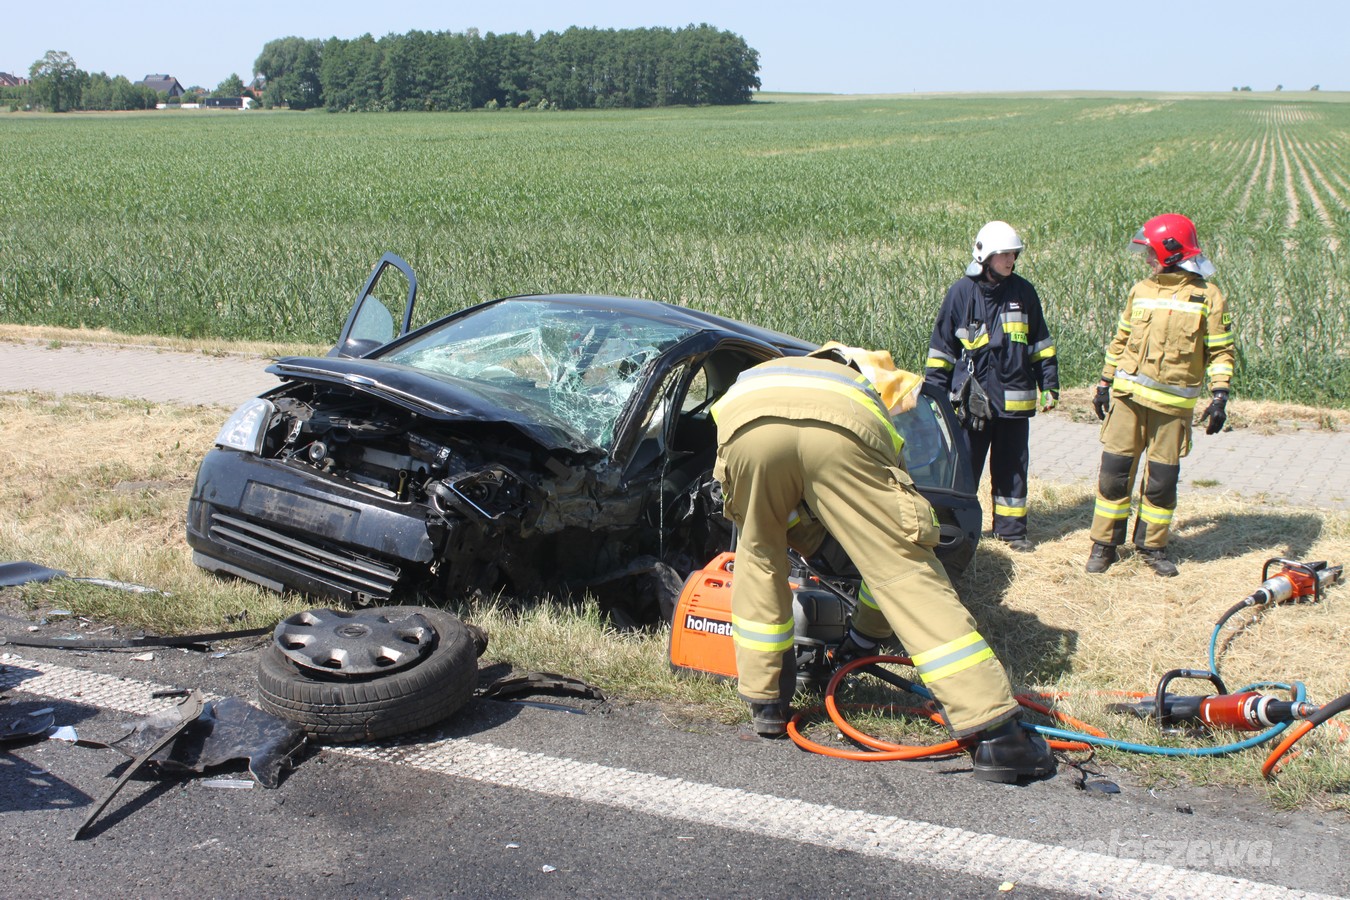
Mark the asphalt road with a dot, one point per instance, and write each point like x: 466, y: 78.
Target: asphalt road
x: 510, y: 799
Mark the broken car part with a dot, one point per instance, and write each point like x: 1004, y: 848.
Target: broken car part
x: 510, y: 687
x: 16, y: 726
x: 226, y: 730
x: 13, y: 574
x: 186, y: 711
x: 185, y: 641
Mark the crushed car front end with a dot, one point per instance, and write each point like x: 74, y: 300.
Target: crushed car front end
x: 337, y: 492
x: 481, y: 454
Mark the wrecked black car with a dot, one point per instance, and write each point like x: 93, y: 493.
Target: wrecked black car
x: 528, y: 445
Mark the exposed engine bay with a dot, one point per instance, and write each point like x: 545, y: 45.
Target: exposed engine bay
x: 383, y: 449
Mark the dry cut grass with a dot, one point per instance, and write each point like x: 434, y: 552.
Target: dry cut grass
x: 1261, y: 416
x: 99, y: 488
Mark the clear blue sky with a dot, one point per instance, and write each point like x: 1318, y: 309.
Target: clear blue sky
x: 843, y: 47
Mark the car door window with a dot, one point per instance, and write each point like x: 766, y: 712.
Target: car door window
x: 928, y: 445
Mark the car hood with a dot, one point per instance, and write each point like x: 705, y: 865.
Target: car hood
x: 440, y: 397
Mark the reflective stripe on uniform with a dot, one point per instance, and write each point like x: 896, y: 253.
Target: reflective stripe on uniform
x: 973, y: 341
x: 1019, y: 401
x: 1109, y: 509
x: 764, y: 377
x: 952, y: 657
x: 1171, y: 304
x: 1155, y: 515
x: 771, y: 637
x: 1219, y: 340
x: 1014, y: 507
x: 1160, y: 397
x: 1044, y: 350
x: 866, y: 599
x: 1146, y: 382
x: 1015, y: 323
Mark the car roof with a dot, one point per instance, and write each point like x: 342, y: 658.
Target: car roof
x: 681, y: 315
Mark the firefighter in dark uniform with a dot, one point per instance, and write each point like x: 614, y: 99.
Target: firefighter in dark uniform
x: 812, y: 436
x: 991, y: 328
x: 1175, y: 332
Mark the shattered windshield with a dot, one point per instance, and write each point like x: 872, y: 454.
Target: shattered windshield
x: 578, y: 364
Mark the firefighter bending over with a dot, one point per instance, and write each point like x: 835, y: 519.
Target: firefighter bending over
x: 812, y: 437
x: 1175, y: 331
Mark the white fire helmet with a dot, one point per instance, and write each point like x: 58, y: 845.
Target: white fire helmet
x: 994, y: 237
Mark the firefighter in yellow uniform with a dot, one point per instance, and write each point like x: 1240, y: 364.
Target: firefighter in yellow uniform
x: 811, y: 436
x: 1175, y: 332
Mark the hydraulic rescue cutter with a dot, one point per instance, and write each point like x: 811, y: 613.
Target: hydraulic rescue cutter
x: 1247, y: 710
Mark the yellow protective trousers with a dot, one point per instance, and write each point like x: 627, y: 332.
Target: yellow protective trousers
x: 1132, y: 430
x: 770, y: 466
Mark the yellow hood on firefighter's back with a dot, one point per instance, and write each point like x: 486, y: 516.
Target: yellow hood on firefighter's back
x: 899, y: 389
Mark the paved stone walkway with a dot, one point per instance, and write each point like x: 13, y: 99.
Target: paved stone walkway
x: 1306, y: 468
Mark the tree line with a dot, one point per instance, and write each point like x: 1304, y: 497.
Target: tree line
x: 580, y: 68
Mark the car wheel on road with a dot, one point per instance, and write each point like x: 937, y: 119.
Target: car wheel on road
x: 352, y: 676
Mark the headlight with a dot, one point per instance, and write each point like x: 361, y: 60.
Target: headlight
x: 246, y: 427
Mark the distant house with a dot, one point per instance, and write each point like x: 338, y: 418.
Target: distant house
x: 164, y: 84
x: 8, y: 80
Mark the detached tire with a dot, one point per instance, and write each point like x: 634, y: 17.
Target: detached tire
x: 340, y: 709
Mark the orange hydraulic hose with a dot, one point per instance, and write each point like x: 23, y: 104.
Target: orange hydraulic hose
x: 887, y: 751
x: 1272, y: 763
x: 1323, y: 714
x: 1027, y: 701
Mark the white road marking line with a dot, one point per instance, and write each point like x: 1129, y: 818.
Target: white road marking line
x: 955, y: 850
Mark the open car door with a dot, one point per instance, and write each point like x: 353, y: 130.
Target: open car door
x: 383, y: 310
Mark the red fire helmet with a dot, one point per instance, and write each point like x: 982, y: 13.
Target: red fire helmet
x: 1171, y: 237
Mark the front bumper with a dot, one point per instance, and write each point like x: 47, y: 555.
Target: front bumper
x: 291, y: 529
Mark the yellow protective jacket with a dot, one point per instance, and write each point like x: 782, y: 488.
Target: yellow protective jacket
x: 812, y: 389
x: 1175, y: 331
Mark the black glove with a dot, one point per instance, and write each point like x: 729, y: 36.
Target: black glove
x: 1101, y: 401
x: 1216, y: 413
x: 851, y: 648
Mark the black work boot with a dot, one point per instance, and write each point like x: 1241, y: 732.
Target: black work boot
x: 1008, y: 752
x: 769, y: 718
x: 1157, y: 561
x: 1021, y: 544
x: 1101, y: 558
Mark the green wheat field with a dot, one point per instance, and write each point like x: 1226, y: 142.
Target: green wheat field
x: 844, y: 219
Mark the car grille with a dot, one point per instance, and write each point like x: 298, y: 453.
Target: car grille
x: 363, y: 578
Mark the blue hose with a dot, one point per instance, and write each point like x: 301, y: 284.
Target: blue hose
x: 1214, y: 636
x: 1299, y: 691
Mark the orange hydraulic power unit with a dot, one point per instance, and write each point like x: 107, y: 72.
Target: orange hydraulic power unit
x: 700, y: 632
